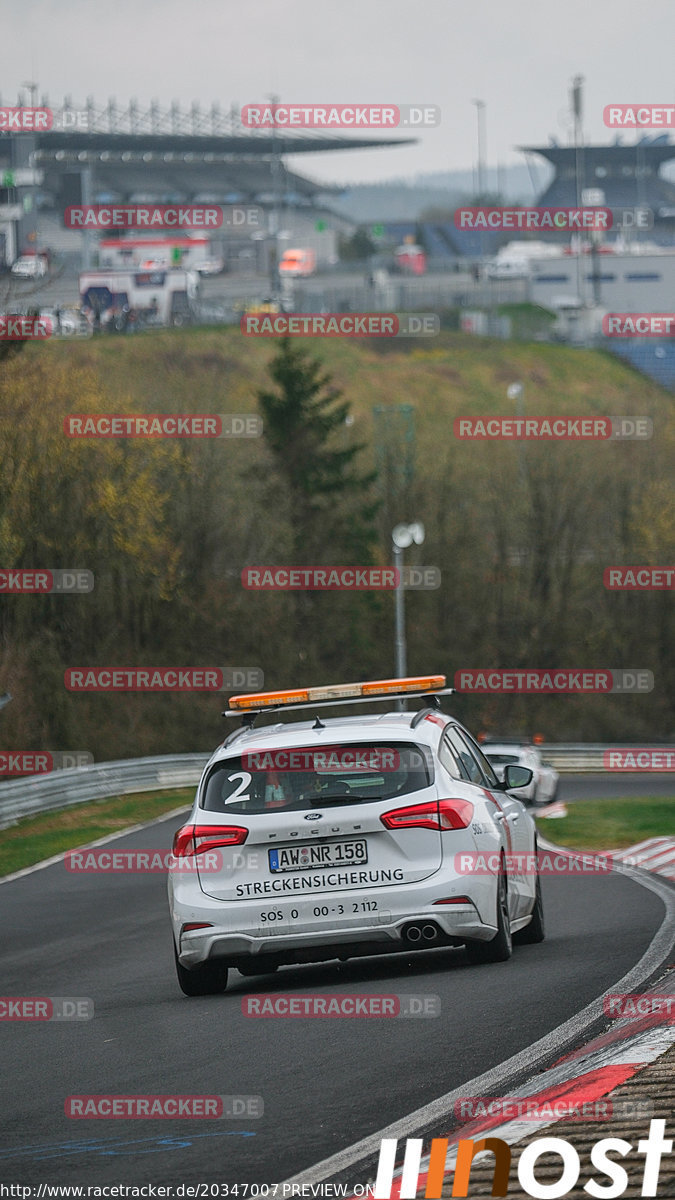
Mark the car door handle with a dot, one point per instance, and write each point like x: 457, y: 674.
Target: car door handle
x: 500, y: 816
x: 512, y: 817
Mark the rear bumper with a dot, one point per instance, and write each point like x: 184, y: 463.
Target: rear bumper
x: 235, y: 931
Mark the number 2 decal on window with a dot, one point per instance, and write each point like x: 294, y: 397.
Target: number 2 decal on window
x: 245, y: 779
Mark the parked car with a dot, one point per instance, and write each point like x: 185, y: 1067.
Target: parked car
x: 297, y: 263
x: 210, y: 266
x: 30, y: 266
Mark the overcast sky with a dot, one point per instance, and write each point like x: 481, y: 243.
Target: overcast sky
x: 517, y: 55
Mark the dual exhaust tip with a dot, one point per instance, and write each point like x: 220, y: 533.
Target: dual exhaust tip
x: 421, y: 932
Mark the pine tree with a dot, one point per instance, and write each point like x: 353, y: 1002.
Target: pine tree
x: 329, y: 506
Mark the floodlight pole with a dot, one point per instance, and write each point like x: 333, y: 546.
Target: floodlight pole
x: 399, y: 614
x: 402, y: 536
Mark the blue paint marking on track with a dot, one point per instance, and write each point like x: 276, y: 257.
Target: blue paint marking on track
x: 103, y: 1149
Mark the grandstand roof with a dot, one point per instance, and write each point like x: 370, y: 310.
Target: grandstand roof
x: 652, y: 151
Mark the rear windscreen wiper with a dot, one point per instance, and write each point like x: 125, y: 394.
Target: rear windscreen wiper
x: 320, y: 802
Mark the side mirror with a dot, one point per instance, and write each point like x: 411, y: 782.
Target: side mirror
x: 516, y: 776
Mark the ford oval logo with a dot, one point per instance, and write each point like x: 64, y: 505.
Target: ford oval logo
x: 313, y: 816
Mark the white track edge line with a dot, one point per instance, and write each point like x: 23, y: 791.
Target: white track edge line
x: 109, y: 837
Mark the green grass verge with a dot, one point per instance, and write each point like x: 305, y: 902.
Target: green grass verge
x: 36, y: 838
x: 590, y: 825
x: 611, y: 824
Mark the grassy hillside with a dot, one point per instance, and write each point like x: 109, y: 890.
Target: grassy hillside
x: 521, y: 533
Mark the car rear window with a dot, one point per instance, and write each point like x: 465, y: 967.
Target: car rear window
x: 503, y: 758
x: 276, y: 779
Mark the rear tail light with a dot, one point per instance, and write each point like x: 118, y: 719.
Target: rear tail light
x: 433, y: 814
x: 197, y: 839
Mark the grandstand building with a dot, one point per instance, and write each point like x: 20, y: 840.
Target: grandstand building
x: 102, y: 155
x: 629, y: 177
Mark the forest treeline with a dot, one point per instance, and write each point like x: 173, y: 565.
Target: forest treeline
x: 357, y: 437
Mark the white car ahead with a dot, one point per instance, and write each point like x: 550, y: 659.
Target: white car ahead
x: 336, y: 838
x: 210, y: 266
x: 543, y: 789
x: 30, y: 266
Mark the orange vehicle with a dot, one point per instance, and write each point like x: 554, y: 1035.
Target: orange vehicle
x: 297, y: 263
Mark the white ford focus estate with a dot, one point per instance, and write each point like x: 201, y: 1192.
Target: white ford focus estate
x: 350, y: 836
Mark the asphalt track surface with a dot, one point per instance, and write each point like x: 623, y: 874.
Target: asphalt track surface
x: 325, y: 1083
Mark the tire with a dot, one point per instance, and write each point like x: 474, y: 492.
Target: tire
x: 501, y: 946
x: 535, y: 931
x: 207, y: 980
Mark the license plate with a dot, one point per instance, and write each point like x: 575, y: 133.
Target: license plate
x: 318, y: 854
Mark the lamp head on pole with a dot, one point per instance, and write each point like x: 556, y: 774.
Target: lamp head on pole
x: 404, y: 535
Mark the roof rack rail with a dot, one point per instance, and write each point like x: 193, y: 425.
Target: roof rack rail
x: 433, y: 706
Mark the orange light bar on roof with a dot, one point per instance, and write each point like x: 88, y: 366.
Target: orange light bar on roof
x: 338, y: 691
x: 268, y: 699
x: 418, y: 683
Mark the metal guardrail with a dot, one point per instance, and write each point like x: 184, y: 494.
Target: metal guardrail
x: 41, y: 793
x: 76, y: 785
x: 584, y: 757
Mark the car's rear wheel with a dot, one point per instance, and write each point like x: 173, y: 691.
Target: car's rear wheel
x: 206, y: 980
x: 501, y: 946
x: 535, y: 931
